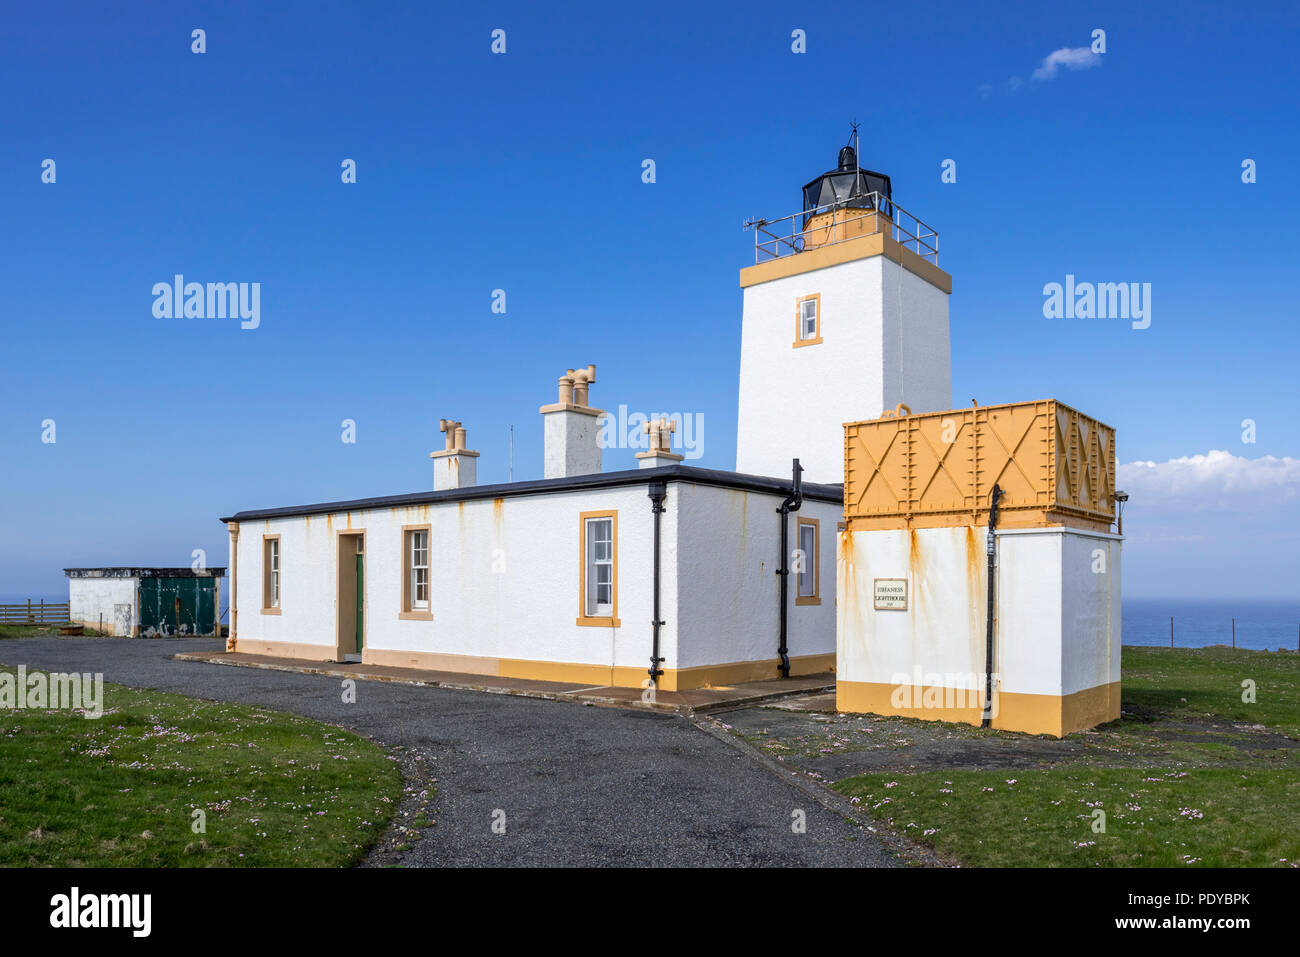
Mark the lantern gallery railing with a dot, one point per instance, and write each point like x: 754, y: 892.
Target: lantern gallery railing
x: 837, y: 222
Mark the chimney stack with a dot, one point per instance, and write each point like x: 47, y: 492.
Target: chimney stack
x: 454, y: 466
x: 661, y: 445
x: 572, y: 427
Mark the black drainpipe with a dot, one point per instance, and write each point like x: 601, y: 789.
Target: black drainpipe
x: 658, y: 492
x: 988, y: 651
x: 791, y: 504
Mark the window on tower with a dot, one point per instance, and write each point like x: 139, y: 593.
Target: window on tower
x: 808, y: 329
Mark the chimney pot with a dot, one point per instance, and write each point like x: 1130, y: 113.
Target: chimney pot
x: 660, y: 451
x: 572, y: 428
x: 454, y: 466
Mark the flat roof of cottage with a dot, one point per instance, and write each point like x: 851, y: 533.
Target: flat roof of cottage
x: 140, y: 571
x: 596, y: 480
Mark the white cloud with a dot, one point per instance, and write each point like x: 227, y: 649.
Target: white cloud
x: 1072, y: 58
x: 1217, y: 479
x: 1215, y: 524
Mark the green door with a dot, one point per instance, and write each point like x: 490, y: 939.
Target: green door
x: 177, y: 606
x: 361, y: 599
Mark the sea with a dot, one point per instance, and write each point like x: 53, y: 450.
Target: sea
x: 1261, y: 624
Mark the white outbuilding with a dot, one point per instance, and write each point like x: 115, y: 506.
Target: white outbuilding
x: 146, y: 602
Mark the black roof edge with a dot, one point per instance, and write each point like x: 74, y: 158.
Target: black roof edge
x: 143, y: 571
x: 596, y: 480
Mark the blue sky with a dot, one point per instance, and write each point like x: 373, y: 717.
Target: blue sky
x: 523, y: 172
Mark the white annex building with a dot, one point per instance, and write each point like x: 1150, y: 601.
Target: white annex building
x: 697, y: 577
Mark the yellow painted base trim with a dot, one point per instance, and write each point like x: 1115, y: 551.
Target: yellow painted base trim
x: 283, y: 649
x: 711, y: 676
x: 429, y: 661
x: 110, y: 628
x: 1057, y: 715
x: 673, y: 679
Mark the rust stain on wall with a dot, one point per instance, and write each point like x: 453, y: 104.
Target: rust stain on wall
x: 918, y: 614
x: 972, y: 560
x: 847, y: 589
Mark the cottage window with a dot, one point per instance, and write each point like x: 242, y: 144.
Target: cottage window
x: 599, y: 571
x: 419, y: 544
x: 271, y: 572
x: 810, y: 565
x: 415, y: 573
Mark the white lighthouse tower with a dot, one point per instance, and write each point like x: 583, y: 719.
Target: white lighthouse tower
x: 845, y: 316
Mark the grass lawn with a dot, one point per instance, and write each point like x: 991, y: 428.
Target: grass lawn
x: 30, y: 631
x: 120, y: 790
x: 1190, y: 775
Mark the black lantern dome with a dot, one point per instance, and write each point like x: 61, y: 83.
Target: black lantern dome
x: 847, y: 186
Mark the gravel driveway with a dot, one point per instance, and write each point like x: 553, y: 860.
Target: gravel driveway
x: 578, y: 785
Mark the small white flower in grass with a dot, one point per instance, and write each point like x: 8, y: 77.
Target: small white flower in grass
x: 1011, y: 780
x: 892, y: 784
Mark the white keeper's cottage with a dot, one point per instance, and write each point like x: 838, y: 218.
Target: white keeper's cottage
x: 698, y: 577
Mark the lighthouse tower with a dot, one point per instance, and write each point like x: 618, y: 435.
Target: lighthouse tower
x: 845, y: 316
